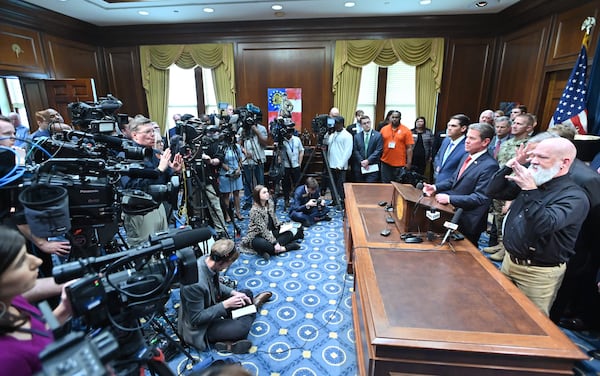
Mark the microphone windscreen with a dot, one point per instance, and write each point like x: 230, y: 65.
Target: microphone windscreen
x: 143, y: 173
x: 419, y: 185
x: 457, y: 215
x: 191, y: 237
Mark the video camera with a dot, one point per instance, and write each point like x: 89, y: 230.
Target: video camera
x: 321, y: 125
x: 98, y: 117
x: 280, y: 128
x: 113, y: 292
x: 246, y: 116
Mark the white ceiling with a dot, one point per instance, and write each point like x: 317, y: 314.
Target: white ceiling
x: 112, y: 13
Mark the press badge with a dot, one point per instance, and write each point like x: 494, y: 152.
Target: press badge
x: 391, y: 145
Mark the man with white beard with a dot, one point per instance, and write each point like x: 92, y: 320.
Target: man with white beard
x: 544, y: 219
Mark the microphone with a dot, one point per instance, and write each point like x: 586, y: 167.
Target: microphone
x: 418, y: 186
x: 452, y: 225
x: 168, y: 241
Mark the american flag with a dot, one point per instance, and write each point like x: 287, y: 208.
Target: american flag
x: 572, y: 104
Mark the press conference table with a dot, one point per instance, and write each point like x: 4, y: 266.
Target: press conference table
x: 426, y: 309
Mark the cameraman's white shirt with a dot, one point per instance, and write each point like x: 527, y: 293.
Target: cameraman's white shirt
x: 339, y: 149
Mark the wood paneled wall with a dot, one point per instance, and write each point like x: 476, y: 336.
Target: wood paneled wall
x: 306, y: 65
x: 522, y: 54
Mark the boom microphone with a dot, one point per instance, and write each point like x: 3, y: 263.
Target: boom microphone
x: 452, y: 225
x: 168, y: 241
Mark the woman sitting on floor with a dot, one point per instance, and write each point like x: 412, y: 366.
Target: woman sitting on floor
x: 264, y: 234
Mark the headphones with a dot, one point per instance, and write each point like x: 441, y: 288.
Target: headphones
x: 216, y: 257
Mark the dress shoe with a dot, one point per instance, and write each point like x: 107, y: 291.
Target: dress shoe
x: 262, y: 298
x: 574, y: 323
x: 293, y: 246
x: 494, y: 249
x: 238, y: 347
x: 498, y: 256
x: 594, y: 353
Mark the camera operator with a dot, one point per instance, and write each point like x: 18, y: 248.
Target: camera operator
x: 205, y: 311
x: 339, y: 150
x: 253, y: 140
x: 293, y: 153
x: 44, y: 119
x: 139, y: 226
x: 307, y: 207
x: 212, y: 156
x: 23, y: 333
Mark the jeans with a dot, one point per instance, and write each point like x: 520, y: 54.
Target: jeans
x: 252, y: 172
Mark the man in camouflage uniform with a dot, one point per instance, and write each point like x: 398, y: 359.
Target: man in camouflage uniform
x: 520, y: 129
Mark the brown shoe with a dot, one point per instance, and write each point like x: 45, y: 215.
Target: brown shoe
x: 262, y: 298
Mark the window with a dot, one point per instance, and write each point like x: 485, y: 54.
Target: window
x: 400, y: 92
x: 183, y: 90
x: 367, y: 94
x: 12, y: 98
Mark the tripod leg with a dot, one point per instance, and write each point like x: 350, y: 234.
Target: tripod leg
x: 334, y: 190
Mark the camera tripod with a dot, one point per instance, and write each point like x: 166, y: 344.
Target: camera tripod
x: 334, y: 192
x: 197, y: 202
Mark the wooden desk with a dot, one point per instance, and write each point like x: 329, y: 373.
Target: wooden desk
x: 431, y: 310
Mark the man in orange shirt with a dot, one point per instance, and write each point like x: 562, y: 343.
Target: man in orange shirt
x: 397, y: 148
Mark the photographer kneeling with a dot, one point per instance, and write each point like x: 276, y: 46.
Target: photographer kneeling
x: 307, y: 206
x: 265, y: 234
x: 139, y: 226
x: 23, y: 333
x: 205, y: 312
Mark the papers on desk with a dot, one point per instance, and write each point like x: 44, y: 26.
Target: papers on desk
x: 247, y: 310
x: 372, y: 168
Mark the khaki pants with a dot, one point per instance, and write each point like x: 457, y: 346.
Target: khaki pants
x: 539, y: 283
x: 139, y: 227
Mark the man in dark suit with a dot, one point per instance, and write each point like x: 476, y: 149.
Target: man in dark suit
x: 366, y: 159
x: 452, y: 150
x: 467, y: 186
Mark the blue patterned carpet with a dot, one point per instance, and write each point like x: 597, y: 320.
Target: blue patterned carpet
x: 306, y: 329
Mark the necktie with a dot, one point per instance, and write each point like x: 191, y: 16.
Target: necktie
x: 367, y: 136
x: 464, y: 166
x: 217, y: 287
x: 497, y: 148
x: 447, y: 152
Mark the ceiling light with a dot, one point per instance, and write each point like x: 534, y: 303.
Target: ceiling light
x: 143, y: 13
x: 481, y: 4
x: 425, y: 2
x: 277, y: 7
x: 349, y: 4
x: 208, y: 10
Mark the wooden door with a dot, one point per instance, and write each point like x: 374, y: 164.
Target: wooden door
x: 57, y: 94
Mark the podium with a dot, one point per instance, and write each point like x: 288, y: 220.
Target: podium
x: 410, y: 209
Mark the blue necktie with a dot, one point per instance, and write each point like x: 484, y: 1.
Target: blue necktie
x: 447, y: 152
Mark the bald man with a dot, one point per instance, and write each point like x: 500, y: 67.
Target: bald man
x: 544, y: 219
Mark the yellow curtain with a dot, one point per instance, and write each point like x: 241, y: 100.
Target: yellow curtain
x: 156, y: 60
x: 351, y: 55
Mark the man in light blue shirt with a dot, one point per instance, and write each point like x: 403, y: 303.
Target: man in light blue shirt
x: 21, y: 131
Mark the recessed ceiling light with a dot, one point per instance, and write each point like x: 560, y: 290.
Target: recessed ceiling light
x: 208, y: 10
x: 277, y: 7
x: 143, y: 13
x: 425, y: 2
x: 349, y: 4
x: 481, y: 4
